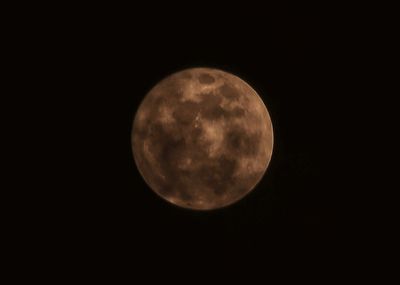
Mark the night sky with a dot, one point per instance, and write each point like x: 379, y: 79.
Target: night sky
x: 301, y: 66
x: 290, y: 67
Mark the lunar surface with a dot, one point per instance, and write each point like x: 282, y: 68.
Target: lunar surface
x: 202, y: 138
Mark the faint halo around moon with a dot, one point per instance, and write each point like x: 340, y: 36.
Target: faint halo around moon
x: 202, y: 138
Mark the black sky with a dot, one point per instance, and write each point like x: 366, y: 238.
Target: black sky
x: 300, y: 64
x: 295, y: 70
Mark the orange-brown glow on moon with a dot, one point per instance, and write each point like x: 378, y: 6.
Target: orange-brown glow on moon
x: 202, y: 138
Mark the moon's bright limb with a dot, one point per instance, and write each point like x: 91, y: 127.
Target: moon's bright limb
x: 202, y: 138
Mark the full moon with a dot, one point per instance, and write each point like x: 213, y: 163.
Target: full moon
x: 202, y: 138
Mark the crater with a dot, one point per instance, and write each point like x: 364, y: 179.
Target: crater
x: 218, y: 174
x: 241, y: 142
x: 210, y: 106
x: 238, y: 112
x: 186, y: 112
x: 229, y: 92
x: 205, y: 78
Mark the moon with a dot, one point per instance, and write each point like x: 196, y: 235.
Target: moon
x: 202, y: 138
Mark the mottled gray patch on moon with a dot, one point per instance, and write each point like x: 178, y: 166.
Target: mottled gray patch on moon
x: 202, y: 138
